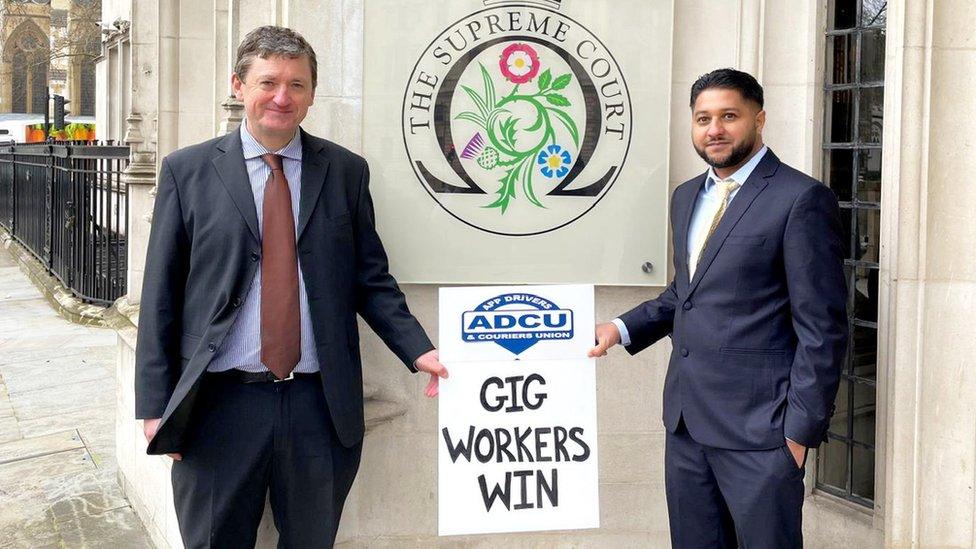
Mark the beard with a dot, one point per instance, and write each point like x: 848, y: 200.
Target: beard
x: 738, y: 155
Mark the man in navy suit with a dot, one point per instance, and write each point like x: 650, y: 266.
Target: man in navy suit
x: 757, y: 317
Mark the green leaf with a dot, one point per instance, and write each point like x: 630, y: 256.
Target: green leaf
x: 538, y: 124
x: 558, y: 100
x: 494, y: 116
x: 471, y: 117
x: 562, y: 81
x: 507, y: 131
x: 489, y: 88
x: 569, y: 123
x: 510, y: 132
x: 507, y: 190
x: 478, y: 101
x: 527, y: 184
x: 544, y: 80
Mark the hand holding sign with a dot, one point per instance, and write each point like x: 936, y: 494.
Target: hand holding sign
x: 607, y: 335
x: 430, y: 363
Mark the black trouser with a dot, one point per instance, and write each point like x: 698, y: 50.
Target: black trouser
x: 721, y: 498
x: 247, y: 439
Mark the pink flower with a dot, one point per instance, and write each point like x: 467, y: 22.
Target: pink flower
x: 519, y: 63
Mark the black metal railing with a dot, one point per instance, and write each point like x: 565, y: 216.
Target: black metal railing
x: 64, y: 203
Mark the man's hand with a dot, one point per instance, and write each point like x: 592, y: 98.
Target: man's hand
x: 799, y: 452
x: 430, y: 362
x: 607, y: 335
x: 149, y: 428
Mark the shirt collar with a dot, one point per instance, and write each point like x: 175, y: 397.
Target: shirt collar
x: 742, y: 174
x: 253, y: 149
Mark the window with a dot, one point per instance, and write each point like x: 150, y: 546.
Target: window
x: 18, y: 79
x: 39, y: 87
x: 29, y: 55
x: 853, y: 120
x: 86, y: 106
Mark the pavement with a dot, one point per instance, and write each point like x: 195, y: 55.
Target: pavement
x: 58, y: 473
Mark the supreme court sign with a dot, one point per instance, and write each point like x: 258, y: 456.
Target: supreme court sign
x: 517, y: 444
x: 502, y: 136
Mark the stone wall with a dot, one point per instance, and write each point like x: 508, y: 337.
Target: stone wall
x: 926, y: 459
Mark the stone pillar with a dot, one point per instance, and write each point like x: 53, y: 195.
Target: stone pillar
x: 144, y: 478
x: 231, y: 111
x: 929, y: 278
x: 750, y: 39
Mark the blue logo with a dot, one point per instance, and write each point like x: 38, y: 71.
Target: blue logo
x: 516, y: 322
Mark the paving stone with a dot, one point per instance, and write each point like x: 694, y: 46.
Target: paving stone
x: 62, y: 399
x: 6, y: 409
x: 111, y: 530
x: 27, y: 448
x: 9, y: 429
x: 85, y: 419
x: 18, y: 530
x: 15, y: 291
x: 30, y: 474
x: 53, y: 372
x: 82, y: 495
x: 58, y: 472
x: 14, y: 356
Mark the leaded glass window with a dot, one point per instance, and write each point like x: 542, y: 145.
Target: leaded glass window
x: 853, y: 122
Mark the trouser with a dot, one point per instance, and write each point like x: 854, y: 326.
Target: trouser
x: 247, y: 440
x: 732, y: 498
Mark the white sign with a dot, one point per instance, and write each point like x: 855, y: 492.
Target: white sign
x: 517, y: 444
x: 506, y: 137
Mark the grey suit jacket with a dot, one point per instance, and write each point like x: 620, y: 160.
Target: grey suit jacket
x: 204, y: 248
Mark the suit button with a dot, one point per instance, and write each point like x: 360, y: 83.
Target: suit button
x: 237, y: 302
x: 255, y: 256
x: 684, y: 352
x: 211, y: 347
x: 686, y: 306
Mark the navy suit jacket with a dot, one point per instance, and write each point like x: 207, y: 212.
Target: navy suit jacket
x: 760, y: 333
x: 204, y: 249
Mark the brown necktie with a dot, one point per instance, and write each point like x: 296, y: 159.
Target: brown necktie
x: 281, y: 327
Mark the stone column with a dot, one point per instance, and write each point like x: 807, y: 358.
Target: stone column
x: 929, y: 278
x: 231, y: 111
x: 750, y: 39
x: 143, y: 478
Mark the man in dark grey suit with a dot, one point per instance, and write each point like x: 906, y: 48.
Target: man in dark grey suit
x: 757, y: 319
x: 263, y: 250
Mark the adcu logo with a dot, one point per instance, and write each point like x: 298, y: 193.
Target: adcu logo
x: 516, y: 322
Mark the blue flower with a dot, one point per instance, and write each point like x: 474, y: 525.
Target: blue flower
x: 554, y: 161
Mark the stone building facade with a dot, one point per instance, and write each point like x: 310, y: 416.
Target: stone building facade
x: 48, y: 43
x: 872, y: 97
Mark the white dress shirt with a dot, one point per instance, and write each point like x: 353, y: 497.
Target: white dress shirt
x: 706, y: 205
x: 241, y: 348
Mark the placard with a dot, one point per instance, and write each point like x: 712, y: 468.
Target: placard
x: 517, y: 438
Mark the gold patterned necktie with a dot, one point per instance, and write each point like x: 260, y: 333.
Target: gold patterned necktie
x: 725, y: 188
x: 281, y: 326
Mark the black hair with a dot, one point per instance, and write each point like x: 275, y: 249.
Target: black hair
x: 729, y: 79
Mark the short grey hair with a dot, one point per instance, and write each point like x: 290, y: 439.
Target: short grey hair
x: 271, y: 41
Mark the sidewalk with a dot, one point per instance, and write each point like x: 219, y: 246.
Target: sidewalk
x: 58, y: 483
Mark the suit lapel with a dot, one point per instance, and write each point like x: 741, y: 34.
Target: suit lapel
x: 315, y: 166
x: 743, y: 199
x: 233, y: 174
x: 684, y: 227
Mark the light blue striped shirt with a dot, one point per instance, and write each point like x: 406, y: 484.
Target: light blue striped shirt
x: 241, y: 348
x: 706, y: 205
